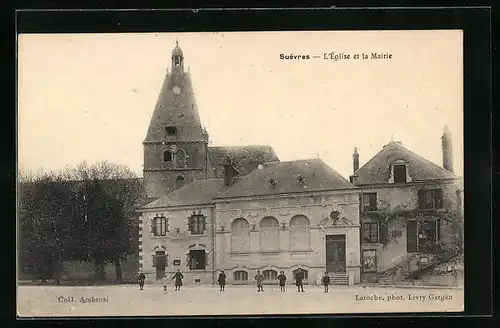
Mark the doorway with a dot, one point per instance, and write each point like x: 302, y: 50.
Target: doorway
x: 160, y: 262
x: 335, y: 253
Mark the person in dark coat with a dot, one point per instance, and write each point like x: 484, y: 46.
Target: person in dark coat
x: 222, y: 280
x: 140, y: 279
x: 299, y: 277
x: 282, y: 280
x: 259, y: 277
x: 178, y: 279
x: 326, y: 281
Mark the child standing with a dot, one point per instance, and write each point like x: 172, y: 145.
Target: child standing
x: 282, y: 280
x: 164, y: 282
x: 222, y: 280
x: 178, y: 279
x: 259, y: 277
x: 326, y: 281
x: 140, y: 279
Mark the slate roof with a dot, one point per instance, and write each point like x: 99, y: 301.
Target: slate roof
x: 317, y: 174
x: 377, y: 169
x: 196, y: 193
x: 244, y: 158
x: 176, y: 110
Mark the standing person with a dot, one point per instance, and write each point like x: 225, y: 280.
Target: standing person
x: 326, y: 281
x: 259, y: 277
x: 178, y: 279
x: 164, y: 282
x: 140, y: 279
x: 222, y: 280
x: 299, y: 276
x: 282, y: 280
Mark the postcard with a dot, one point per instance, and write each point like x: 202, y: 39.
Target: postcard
x: 240, y: 173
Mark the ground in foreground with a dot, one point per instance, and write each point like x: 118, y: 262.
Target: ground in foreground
x: 128, y: 300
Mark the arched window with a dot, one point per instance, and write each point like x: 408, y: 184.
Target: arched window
x: 269, y: 238
x: 240, y: 236
x: 270, y: 275
x: 299, y: 233
x: 240, y: 275
x: 179, y: 181
x: 167, y: 156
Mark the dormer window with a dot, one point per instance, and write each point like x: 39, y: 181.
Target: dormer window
x: 399, y: 172
x: 300, y: 179
x: 171, y: 130
x: 272, y: 183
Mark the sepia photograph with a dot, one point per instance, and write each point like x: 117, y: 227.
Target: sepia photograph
x: 240, y: 173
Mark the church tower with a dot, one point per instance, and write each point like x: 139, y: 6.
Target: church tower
x: 176, y: 145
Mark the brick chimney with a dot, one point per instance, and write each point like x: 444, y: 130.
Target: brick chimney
x: 447, y: 149
x: 230, y: 172
x: 355, y: 160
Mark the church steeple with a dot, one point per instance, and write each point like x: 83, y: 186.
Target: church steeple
x: 177, y: 59
x: 175, y: 146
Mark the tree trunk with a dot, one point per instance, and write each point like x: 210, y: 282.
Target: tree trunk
x: 118, y: 269
x: 57, y: 270
x: 99, y: 270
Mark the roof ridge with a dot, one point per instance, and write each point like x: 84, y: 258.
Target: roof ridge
x: 425, y: 159
x: 370, y: 160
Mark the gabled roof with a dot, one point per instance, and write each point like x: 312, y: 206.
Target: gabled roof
x: 316, y: 174
x: 244, y: 158
x: 176, y: 110
x: 377, y: 169
x: 196, y: 193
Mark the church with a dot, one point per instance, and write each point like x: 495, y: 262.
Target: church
x: 240, y: 209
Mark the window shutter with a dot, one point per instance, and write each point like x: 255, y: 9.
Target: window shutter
x: 421, y: 199
x: 383, y: 233
x: 166, y: 225
x: 154, y: 261
x: 206, y: 258
x: 204, y: 220
x: 438, y: 230
x: 439, y: 198
x: 411, y: 236
x: 190, y: 224
x: 153, y: 227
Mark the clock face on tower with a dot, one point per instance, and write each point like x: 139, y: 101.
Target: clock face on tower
x: 176, y: 90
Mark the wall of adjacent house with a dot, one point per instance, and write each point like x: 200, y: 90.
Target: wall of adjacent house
x: 291, y: 251
x: 177, y: 243
x: 394, y: 250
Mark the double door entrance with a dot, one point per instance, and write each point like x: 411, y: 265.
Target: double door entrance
x: 335, y: 253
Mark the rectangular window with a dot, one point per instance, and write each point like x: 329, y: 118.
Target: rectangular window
x: 160, y: 226
x: 171, y: 130
x: 430, y: 199
x: 370, y: 232
x: 369, y: 260
x: 197, y: 224
x: 197, y: 260
x: 399, y: 173
x: 370, y: 201
x: 423, y: 237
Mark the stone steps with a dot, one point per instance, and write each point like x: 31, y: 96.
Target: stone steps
x: 339, y: 279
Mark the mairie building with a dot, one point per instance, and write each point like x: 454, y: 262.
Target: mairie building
x: 238, y: 208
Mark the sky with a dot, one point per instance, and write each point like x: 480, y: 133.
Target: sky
x: 91, y: 96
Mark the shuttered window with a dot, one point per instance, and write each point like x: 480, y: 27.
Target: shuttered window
x: 370, y: 232
x: 430, y: 199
